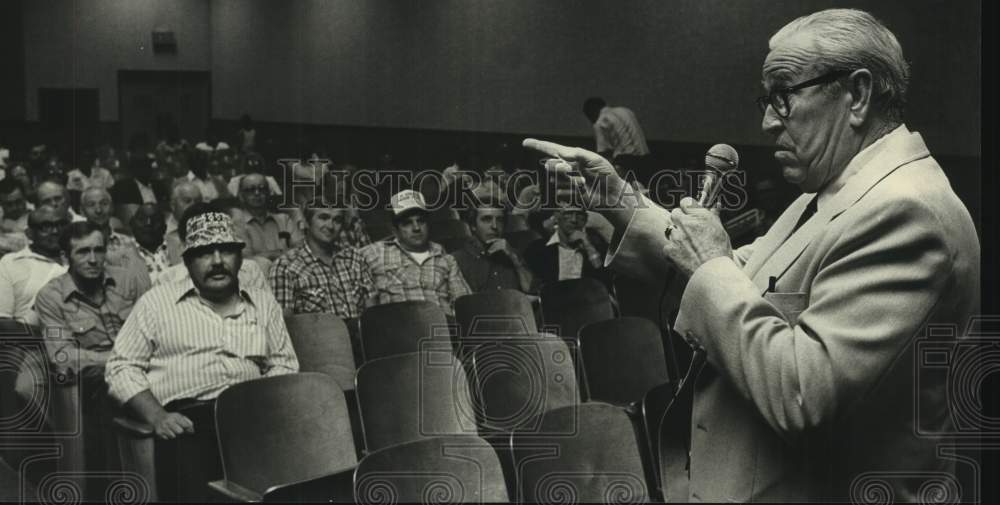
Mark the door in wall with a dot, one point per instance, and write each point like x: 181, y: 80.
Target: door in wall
x: 153, y: 103
x: 68, y: 118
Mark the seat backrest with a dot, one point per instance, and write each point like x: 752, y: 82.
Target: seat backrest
x: 622, y: 359
x: 581, y: 453
x: 283, y: 429
x: 504, y: 313
x: 323, y: 344
x: 451, y: 470
x: 398, y: 328
x: 517, y: 380
x: 414, y: 396
x: 570, y: 304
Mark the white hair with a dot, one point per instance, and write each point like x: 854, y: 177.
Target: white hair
x: 851, y: 39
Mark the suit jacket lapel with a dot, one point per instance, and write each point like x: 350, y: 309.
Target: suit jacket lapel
x: 776, y: 235
x: 898, y: 148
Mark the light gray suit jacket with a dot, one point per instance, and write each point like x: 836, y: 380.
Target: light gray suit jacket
x: 824, y: 409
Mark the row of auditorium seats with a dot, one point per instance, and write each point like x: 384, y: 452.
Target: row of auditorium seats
x: 490, y: 377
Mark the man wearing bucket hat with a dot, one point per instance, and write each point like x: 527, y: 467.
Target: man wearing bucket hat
x: 187, y: 341
x: 250, y: 273
x: 409, y: 266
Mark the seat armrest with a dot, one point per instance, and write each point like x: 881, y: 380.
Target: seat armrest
x: 133, y: 427
x: 234, y: 491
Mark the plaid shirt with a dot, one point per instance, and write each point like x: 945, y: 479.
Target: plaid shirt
x: 302, y: 283
x: 399, y: 278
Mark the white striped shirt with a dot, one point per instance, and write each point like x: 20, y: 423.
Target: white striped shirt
x: 177, y: 347
x: 618, y: 130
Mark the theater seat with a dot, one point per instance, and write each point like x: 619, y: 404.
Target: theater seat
x: 399, y: 328
x: 413, y: 396
x: 580, y: 453
x: 278, y: 431
x: 460, y: 469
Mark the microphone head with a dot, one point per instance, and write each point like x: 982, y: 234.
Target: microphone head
x: 722, y: 157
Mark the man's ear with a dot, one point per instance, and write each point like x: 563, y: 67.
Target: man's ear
x: 859, y: 85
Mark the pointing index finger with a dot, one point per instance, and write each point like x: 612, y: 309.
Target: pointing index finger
x: 549, y: 148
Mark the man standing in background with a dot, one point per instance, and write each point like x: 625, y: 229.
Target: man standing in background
x: 619, y: 137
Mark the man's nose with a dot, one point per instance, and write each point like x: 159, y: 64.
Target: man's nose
x: 216, y: 256
x: 771, y: 123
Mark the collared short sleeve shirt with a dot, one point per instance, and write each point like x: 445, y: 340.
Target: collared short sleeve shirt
x: 398, y: 277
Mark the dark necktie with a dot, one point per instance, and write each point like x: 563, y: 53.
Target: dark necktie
x: 806, y: 213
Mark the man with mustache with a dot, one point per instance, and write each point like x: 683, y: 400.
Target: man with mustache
x: 187, y: 341
x: 812, y: 387
x: 249, y: 272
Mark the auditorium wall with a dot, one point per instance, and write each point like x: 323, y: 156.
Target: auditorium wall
x: 84, y: 43
x: 690, y: 68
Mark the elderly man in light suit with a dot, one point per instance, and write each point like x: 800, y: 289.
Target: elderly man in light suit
x: 809, y: 391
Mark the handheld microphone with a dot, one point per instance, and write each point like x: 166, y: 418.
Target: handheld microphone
x: 719, y: 159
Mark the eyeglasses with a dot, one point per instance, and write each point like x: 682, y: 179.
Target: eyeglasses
x: 778, y: 98
x: 256, y: 189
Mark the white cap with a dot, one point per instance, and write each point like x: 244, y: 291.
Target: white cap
x: 407, y: 200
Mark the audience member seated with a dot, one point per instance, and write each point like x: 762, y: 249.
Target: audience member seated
x: 572, y: 252
x: 185, y: 342
x: 268, y: 234
x: 183, y: 195
x: 177, y: 165
x: 148, y: 229
x: 55, y: 195
x: 23, y: 273
x: 321, y: 275
x: 134, y: 184
x: 487, y: 261
x: 250, y: 273
x: 14, y: 221
x: 121, y: 250
x: 81, y: 312
x: 410, y: 266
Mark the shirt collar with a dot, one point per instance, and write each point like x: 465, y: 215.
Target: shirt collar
x: 249, y: 218
x: 475, y: 247
x: 67, y: 286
